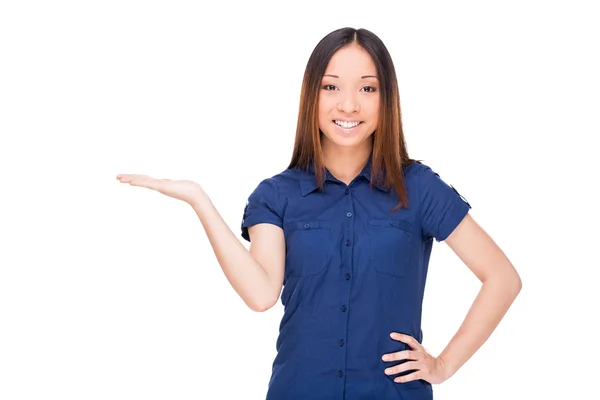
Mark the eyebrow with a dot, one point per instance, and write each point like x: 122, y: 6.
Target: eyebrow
x: 362, y: 77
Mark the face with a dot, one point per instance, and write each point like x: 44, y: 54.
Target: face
x: 349, y: 99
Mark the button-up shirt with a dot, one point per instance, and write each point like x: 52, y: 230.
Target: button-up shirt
x: 354, y: 272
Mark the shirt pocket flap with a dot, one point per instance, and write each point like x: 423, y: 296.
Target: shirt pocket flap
x: 313, y: 224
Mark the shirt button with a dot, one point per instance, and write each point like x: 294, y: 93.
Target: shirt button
x: 306, y: 226
x: 348, y: 214
x: 347, y: 277
x: 340, y: 373
x: 344, y: 308
x: 347, y: 191
x: 341, y: 342
x: 348, y: 242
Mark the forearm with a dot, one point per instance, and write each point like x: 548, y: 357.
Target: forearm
x: 489, y: 307
x: 245, y: 274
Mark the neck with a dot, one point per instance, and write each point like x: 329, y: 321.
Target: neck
x: 345, y: 163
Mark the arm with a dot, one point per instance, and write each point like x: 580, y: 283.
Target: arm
x: 500, y: 286
x: 444, y: 216
x: 256, y: 274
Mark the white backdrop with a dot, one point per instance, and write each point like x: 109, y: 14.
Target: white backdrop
x: 112, y: 292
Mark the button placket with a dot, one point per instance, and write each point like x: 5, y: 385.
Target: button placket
x: 347, y: 265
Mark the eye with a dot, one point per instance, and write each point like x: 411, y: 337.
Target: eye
x: 371, y: 89
x: 329, y: 87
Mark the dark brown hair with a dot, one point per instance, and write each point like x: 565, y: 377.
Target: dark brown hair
x: 389, y: 153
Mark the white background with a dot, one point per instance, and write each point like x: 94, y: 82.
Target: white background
x: 112, y: 292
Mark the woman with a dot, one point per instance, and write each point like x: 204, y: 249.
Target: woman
x: 347, y: 231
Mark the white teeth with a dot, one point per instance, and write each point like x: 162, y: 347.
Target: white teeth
x: 346, y: 125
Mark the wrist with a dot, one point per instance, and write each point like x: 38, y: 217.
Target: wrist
x: 199, y: 200
x: 448, y: 368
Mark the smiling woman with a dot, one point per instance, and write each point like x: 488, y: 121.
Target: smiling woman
x: 344, y: 235
x: 349, y: 107
x: 350, y: 83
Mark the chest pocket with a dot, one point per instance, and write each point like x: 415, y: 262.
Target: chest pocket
x: 308, y: 247
x: 391, y: 246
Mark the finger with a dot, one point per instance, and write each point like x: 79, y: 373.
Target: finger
x: 409, y: 340
x: 397, y: 369
x: 401, y: 355
x: 131, y: 176
x: 154, y: 184
x: 409, y: 377
x: 142, y: 181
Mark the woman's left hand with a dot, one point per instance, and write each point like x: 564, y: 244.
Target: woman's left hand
x: 429, y: 368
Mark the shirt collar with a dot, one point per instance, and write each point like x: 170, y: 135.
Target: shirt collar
x: 308, y: 181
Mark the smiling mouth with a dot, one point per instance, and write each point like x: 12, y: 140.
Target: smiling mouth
x: 346, y: 124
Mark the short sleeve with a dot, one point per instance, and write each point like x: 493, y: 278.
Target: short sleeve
x: 442, y: 208
x: 262, y: 207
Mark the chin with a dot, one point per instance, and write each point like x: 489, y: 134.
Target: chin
x: 344, y: 141
x: 342, y: 138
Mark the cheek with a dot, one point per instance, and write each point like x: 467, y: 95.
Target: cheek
x: 322, y: 115
x: 373, y: 111
x: 324, y: 112
x: 322, y: 121
x: 325, y: 104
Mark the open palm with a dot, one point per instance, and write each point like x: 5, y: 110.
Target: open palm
x: 185, y: 190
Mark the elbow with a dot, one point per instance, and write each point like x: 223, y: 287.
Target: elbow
x: 512, y: 284
x: 514, y: 281
x: 261, y: 306
x: 518, y: 284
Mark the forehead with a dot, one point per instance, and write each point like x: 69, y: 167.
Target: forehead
x: 350, y: 62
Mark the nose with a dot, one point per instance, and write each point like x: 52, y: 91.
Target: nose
x: 348, y: 104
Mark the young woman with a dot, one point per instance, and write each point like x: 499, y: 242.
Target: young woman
x: 347, y: 231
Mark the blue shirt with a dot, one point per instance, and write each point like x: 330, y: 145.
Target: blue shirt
x: 354, y: 273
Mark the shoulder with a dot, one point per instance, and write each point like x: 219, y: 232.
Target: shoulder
x: 279, y: 184
x: 285, y: 182
x: 421, y: 173
x: 429, y: 183
x: 418, y: 173
x: 286, y: 177
x: 414, y: 168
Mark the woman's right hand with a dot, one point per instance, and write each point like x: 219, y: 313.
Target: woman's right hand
x: 184, y: 190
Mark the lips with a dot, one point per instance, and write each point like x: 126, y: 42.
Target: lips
x: 347, y: 124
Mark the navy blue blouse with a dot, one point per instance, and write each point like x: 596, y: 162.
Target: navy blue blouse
x: 354, y: 273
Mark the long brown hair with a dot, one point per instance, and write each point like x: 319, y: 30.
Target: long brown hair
x: 389, y: 154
